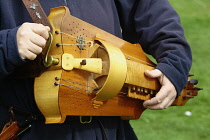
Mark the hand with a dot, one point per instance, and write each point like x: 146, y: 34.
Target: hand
x: 166, y: 95
x: 31, y: 39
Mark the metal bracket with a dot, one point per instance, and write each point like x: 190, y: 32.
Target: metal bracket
x: 83, y: 122
x: 81, y: 42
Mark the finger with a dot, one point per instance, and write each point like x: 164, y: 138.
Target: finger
x: 172, y: 97
x: 163, y: 99
x: 161, y: 105
x: 48, y: 28
x: 31, y: 55
x: 26, y: 51
x: 38, y: 40
x: 153, y: 73
x: 41, y: 30
x: 151, y: 102
x: 160, y: 96
x: 28, y: 55
x: 169, y: 103
x: 35, y: 49
x: 36, y: 33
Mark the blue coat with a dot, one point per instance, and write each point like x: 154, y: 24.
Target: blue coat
x: 152, y: 23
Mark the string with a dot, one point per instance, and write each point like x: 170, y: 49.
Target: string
x: 72, y: 44
x: 133, y: 58
x: 89, y: 90
x: 120, y: 94
x: 103, y: 48
x: 140, y: 60
x: 74, y: 87
x: 58, y: 32
x: 86, y: 42
x: 68, y: 81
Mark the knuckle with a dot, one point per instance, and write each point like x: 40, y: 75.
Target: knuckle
x: 22, y: 34
x: 42, y: 30
x: 20, y: 43
x: 158, y: 100
x: 40, y: 26
x: 25, y: 24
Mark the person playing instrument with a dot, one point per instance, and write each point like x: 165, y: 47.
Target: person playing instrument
x: 152, y: 23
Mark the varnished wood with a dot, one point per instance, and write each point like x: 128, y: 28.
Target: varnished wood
x: 47, y: 94
x: 10, y: 131
x: 83, y: 93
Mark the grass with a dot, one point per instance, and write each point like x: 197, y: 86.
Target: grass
x: 172, y: 123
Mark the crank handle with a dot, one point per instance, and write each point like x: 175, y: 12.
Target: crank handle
x: 49, y: 60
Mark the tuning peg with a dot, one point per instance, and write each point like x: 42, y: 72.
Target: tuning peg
x: 193, y: 81
x: 196, y: 88
x: 190, y: 74
x: 186, y: 97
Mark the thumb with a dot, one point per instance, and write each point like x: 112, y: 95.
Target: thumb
x: 153, y: 73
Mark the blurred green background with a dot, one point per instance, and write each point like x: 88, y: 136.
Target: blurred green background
x: 172, y: 123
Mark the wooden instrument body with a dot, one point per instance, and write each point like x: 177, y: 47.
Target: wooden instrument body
x: 79, y: 92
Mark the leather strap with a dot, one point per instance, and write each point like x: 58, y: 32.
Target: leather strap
x: 36, y: 12
x: 33, y: 68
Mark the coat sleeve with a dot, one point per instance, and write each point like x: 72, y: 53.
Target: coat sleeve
x: 156, y: 26
x: 9, y: 56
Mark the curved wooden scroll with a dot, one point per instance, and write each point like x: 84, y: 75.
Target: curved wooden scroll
x: 98, y: 74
